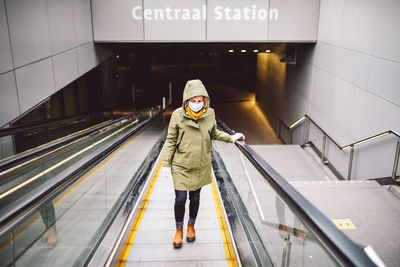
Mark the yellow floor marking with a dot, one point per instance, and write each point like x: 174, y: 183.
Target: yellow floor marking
x: 230, y: 255
x: 37, y: 218
x: 55, y: 140
x: 135, y: 227
x: 344, y: 224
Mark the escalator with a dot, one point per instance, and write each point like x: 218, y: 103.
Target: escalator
x: 43, y: 192
x: 102, y: 195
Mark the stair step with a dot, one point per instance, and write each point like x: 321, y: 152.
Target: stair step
x: 295, y: 163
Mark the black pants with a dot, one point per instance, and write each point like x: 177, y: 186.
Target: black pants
x: 180, y: 200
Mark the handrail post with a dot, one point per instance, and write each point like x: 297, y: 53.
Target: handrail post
x: 350, y: 162
x: 396, y: 161
x: 305, y: 131
x: 323, y: 148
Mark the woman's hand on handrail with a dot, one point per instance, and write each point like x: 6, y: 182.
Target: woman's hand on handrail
x: 237, y: 136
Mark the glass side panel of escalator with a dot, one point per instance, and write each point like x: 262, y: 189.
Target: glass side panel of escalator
x: 284, y: 237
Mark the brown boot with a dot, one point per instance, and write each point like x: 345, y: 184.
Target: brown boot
x: 191, y: 233
x: 178, y: 237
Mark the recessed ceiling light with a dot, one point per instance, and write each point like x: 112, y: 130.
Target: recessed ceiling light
x: 267, y: 51
x: 255, y: 51
x: 243, y: 51
x: 231, y: 50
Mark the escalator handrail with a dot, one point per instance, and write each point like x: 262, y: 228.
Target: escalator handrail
x: 21, y: 209
x: 23, y: 157
x: 28, y: 127
x: 335, y: 241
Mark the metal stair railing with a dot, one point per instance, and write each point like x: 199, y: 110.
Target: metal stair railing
x: 306, y: 120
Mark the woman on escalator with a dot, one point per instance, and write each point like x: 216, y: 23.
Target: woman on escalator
x: 187, y: 156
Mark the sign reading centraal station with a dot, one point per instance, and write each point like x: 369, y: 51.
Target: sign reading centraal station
x: 204, y: 20
x: 219, y: 13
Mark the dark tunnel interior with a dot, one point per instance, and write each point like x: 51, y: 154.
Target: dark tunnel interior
x: 139, y: 75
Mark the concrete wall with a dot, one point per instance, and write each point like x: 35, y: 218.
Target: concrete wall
x: 348, y: 83
x: 44, y: 46
x: 201, y: 20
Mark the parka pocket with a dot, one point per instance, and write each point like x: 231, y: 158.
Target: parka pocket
x: 209, y: 141
x: 180, y: 141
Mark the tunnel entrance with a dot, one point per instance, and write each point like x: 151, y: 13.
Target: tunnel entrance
x: 228, y: 70
x: 138, y: 75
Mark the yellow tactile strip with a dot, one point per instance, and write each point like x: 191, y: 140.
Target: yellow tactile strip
x: 230, y: 255
x: 135, y: 227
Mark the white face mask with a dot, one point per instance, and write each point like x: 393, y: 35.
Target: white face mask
x: 196, y: 107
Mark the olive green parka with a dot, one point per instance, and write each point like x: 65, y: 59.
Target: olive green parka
x: 188, y: 144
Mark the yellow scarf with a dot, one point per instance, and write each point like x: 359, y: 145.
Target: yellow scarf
x: 195, y: 115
